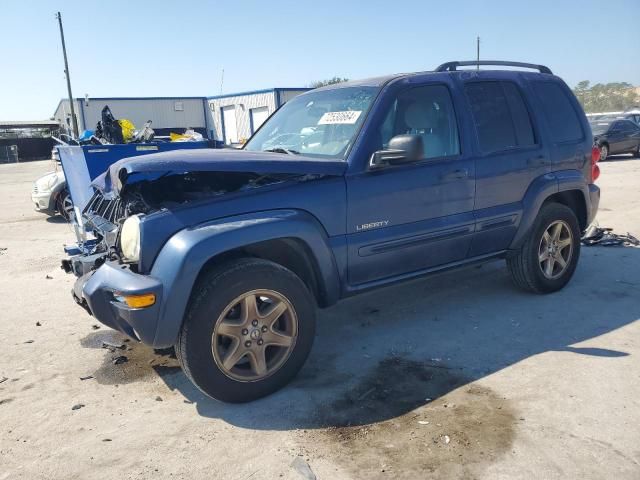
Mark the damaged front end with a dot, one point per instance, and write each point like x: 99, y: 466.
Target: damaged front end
x: 105, y: 213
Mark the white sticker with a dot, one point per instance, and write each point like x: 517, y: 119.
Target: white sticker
x: 347, y: 117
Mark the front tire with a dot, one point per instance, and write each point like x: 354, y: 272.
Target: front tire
x: 248, y: 330
x: 547, y: 260
x: 64, y: 205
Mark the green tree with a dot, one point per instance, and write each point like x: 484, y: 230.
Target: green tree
x: 329, y: 81
x: 606, y: 97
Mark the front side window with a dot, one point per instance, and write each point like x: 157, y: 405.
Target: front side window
x: 322, y: 123
x: 426, y: 111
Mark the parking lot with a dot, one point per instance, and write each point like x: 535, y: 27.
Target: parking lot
x: 457, y: 376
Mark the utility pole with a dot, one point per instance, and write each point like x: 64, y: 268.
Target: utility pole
x: 478, y: 52
x: 74, y: 119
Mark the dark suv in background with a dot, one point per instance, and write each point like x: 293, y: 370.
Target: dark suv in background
x: 225, y: 254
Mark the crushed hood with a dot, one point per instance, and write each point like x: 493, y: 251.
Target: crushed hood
x: 213, y: 160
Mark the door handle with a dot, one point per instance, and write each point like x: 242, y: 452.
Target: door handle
x: 536, y: 161
x: 458, y: 174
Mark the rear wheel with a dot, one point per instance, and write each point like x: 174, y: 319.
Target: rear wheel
x: 248, y: 330
x: 604, y: 151
x: 547, y: 260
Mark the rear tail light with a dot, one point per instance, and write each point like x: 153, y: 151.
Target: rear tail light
x: 595, y: 169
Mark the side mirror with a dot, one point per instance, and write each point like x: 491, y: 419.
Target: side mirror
x: 402, y: 149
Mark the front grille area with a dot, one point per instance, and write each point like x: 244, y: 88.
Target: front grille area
x: 110, y: 210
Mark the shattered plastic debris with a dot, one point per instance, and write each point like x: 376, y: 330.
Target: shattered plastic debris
x: 87, y: 377
x: 77, y: 406
x: 595, y: 235
x: 303, y: 468
x: 119, y: 360
x: 423, y: 422
x: 112, y: 347
x: 446, y: 439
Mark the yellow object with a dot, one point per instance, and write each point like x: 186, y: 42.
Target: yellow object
x: 128, y: 128
x: 138, y: 301
x: 174, y: 137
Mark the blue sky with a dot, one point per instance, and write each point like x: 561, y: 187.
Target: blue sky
x: 162, y: 48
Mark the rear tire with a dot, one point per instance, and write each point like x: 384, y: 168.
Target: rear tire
x: 604, y: 152
x: 248, y: 330
x: 545, y: 264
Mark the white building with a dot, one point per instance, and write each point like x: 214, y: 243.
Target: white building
x: 168, y: 114
x: 230, y: 118
x: 237, y: 116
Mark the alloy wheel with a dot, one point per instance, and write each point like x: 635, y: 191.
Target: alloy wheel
x: 556, y: 249
x: 255, y: 335
x: 604, y: 152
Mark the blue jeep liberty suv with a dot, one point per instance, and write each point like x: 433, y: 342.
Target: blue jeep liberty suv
x: 225, y: 254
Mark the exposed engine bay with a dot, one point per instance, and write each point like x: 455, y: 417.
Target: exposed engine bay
x: 105, y: 214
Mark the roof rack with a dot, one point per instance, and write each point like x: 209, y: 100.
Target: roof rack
x: 452, y: 66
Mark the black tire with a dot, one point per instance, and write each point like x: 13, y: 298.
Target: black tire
x: 64, y: 206
x: 525, y: 267
x: 209, y: 299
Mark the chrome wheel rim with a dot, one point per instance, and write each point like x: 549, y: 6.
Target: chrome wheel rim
x: 556, y: 249
x: 255, y: 335
x: 67, y: 206
x: 604, y: 151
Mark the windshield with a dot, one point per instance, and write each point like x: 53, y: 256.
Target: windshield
x: 322, y: 123
x: 598, y: 128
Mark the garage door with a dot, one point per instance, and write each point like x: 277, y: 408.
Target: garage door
x: 258, y: 116
x: 229, y: 124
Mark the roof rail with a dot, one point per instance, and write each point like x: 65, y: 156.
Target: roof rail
x: 452, y: 66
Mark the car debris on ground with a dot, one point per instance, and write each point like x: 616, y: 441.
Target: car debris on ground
x: 604, y: 237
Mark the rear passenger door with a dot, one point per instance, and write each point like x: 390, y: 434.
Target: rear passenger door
x: 509, y: 157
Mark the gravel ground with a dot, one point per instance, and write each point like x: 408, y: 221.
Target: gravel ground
x: 457, y: 376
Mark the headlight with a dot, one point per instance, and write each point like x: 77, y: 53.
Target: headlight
x: 130, y: 239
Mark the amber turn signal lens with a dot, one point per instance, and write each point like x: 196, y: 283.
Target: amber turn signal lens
x: 137, y: 301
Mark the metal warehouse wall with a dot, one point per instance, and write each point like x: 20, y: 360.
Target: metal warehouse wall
x: 286, y: 95
x: 243, y: 104
x: 163, y: 112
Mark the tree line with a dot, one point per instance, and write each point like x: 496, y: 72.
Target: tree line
x: 606, y: 97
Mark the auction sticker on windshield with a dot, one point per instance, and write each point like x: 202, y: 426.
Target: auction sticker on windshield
x: 347, y: 117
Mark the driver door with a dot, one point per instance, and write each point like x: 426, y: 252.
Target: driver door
x: 409, y: 218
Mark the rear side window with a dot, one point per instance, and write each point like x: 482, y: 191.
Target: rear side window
x: 500, y: 115
x: 559, y: 112
x: 520, y: 115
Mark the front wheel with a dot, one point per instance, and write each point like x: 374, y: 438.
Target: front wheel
x: 547, y: 260
x: 248, y: 330
x: 64, y: 205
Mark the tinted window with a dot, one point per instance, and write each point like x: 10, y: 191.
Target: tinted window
x: 500, y: 115
x: 520, y: 114
x: 563, y: 120
x: 426, y: 111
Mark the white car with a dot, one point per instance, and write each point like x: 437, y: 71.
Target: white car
x: 51, y: 196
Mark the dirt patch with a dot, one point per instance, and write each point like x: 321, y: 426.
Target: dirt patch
x: 141, y: 361
x: 434, y: 425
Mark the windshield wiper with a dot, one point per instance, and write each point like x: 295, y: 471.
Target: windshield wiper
x: 282, y: 150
